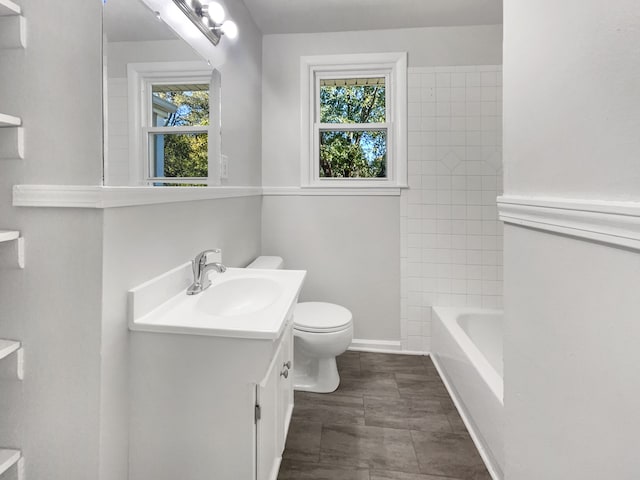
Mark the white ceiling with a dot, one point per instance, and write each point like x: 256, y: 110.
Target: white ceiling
x: 308, y: 16
x: 133, y: 21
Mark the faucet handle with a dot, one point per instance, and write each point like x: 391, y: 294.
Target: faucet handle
x: 203, y: 257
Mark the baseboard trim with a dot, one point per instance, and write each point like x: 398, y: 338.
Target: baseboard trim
x: 381, y: 346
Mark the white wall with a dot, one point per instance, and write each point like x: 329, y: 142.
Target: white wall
x: 580, y: 70
x: 350, y: 251
x: 281, y: 167
x: 572, y: 117
x: 571, y: 358
x: 53, y: 305
x: 36, y: 84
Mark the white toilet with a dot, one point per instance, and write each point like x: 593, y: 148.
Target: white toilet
x: 322, y: 331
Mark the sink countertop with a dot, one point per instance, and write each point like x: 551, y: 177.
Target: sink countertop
x: 184, y: 314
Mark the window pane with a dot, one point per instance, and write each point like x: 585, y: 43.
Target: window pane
x: 178, y: 155
x: 352, y: 100
x: 180, y: 105
x: 357, y: 154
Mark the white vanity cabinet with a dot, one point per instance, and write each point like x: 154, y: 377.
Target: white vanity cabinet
x: 209, y: 408
x: 211, y: 379
x: 274, y: 408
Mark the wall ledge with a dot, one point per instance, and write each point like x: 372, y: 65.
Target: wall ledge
x: 95, y: 196
x: 610, y: 222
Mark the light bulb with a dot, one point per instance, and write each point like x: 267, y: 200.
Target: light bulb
x: 230, y: 29
x: 215, y: 12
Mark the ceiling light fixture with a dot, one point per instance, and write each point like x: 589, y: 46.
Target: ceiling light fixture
x: 209, y: 18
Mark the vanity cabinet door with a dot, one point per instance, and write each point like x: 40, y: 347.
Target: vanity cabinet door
x: 286, y: 386
x: 268, y: 418
x: 275, y: 403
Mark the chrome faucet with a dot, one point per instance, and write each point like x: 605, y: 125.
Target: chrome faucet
x: 200, y: 272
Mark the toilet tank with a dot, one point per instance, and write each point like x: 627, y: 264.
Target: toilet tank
x: 271, y: 263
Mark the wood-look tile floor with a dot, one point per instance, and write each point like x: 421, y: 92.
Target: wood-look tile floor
x: 390, y: 419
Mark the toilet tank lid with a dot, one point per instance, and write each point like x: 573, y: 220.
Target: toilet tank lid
x: 268, y: 262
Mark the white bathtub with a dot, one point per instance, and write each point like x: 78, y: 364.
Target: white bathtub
x: 467, y: 351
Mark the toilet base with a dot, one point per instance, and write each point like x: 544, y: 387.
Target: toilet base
x: 314, y: 359
x: 317, y: 376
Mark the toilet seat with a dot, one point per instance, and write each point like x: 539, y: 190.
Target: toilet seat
x: 321, y: 317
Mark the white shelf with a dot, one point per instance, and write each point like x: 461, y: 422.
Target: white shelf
x: 7, y: 7
x: 11, y: 143
x: 9, y: 120
x: 8, y: 235
x: 8, y: 458
x: 14, y: 236
x: 7, y: 347
x: 13, y: 27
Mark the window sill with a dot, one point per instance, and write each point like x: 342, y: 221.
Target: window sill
x: 95, y: 196
x: 388, y: 190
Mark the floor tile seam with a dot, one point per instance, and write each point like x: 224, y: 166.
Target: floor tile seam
x: 391, y: 428
x: 418, y: 378
x: 395, y: 371
x: 422, y: 395
x: 367, y: 426
x: 453, y: 428
x: 370, y: 468
x: 415, y: 451
x: 353, y: 398
x: 365, y: 418
x: 457, y: 434
x: 330, y: 408
x: 413, y: 429
x: 443, y: 477
x: 333, y: 465
x: 387, y: 427
x: 406, y: 397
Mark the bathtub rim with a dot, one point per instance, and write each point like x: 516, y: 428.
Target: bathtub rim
x: 447, y: 316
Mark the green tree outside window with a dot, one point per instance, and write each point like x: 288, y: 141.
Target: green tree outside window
x: 358, y: 153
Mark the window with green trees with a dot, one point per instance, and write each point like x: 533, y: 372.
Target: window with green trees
x: 178, y: 136
x: 352, y: 127
x: 353, y: 139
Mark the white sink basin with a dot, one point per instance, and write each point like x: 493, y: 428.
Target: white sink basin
x: 240, y: 303
x: 238, y: 296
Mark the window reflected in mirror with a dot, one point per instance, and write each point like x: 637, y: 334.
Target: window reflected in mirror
x: 158, y: 125
x: 178, y: 135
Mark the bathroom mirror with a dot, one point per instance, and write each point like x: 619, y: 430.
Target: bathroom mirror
x: 161, y: 99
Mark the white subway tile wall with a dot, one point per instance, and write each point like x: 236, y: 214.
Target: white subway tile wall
x: 117, y: 157
x: 451, y: 239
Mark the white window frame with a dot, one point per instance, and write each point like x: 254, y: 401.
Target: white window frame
x: 392, y: 66
x: 141, y: 78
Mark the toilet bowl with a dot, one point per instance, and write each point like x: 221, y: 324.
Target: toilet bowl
x: 321, y: 332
